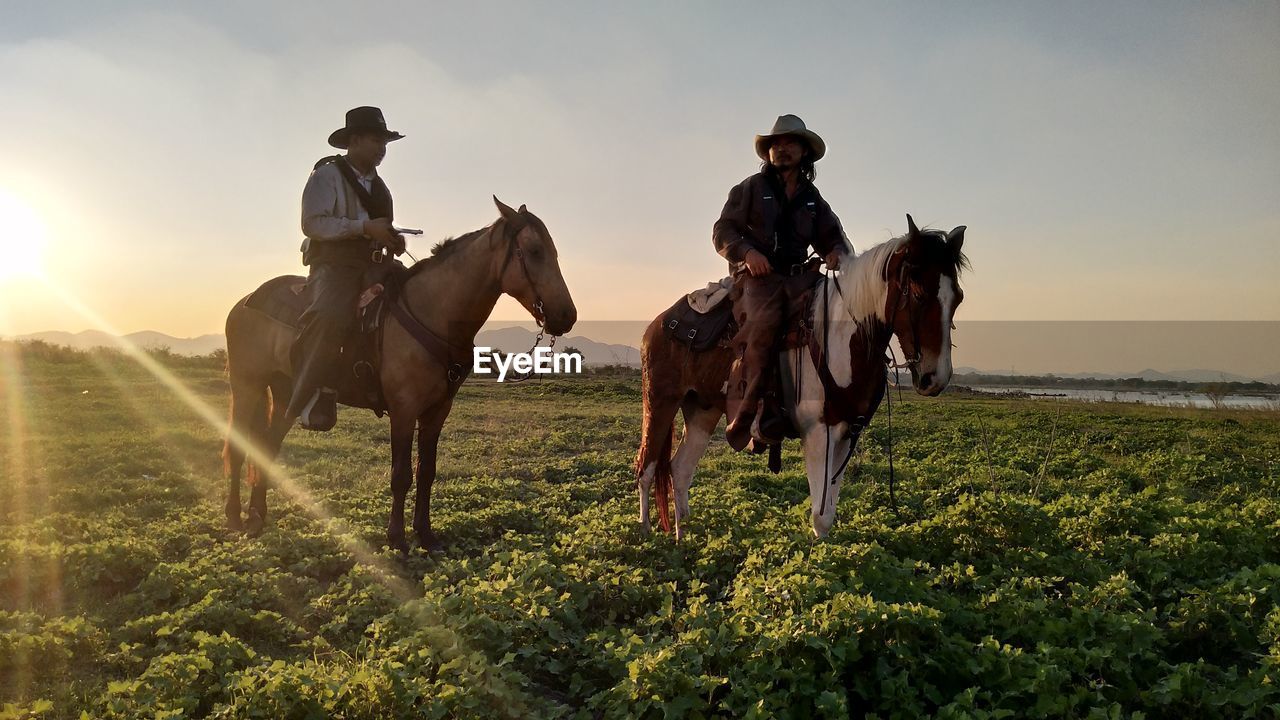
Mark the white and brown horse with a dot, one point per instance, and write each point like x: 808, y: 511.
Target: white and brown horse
x: 908, y: 286
x: 425, y: 354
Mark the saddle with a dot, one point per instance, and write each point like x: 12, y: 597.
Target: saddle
x: 704, y: 319
x: 285, y: 298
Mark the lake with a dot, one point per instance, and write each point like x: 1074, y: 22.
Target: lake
x: 1170, y: 398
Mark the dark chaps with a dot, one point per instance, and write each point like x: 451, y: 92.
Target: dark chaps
x: 764, y: 308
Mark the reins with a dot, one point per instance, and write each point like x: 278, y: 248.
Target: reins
x: 890, y: 361
x: 828, y: 479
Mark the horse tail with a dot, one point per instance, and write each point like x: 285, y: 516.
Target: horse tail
x: 658, y: 430
x: 249, y: 416
x: 655, y: 450
x: 662, y: 479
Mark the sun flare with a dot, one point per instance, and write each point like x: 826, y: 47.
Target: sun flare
x: 22, y: 238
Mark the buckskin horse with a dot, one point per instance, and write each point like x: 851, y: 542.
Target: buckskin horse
x: 425, y: 349
x: 908, y: 286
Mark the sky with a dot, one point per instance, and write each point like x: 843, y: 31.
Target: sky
x: 1112, y: 160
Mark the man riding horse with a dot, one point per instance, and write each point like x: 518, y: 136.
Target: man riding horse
x: 346, y: 217
x: 765, y: 230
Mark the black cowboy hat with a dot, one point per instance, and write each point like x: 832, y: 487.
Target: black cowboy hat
x: 362, y: 119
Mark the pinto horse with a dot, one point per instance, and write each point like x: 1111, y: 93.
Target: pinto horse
x: 908, y: 286
x: 449, y: 295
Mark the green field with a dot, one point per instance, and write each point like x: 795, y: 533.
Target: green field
x: 1045, y: 560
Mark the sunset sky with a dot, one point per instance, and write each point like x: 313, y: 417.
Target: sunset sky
x: 1111, y: 160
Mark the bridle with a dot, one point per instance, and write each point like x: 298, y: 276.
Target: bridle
x: 904, y: 296
x: 539, y: 311
x: 514, y: 249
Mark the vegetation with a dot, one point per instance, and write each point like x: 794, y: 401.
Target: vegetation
x: 1062, y: 560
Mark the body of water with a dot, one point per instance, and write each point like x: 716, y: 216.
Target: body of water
x: 1169, y: 398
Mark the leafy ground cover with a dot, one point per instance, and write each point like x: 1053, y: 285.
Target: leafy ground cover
x: 1043, y: 560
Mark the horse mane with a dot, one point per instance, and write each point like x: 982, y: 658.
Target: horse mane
x: 450, y: 245
x: 938, y: 252
x: 866, y: 286
x: 444, y: 249
x: 864, y: 296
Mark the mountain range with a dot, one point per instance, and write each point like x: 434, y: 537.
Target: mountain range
x: 520, y: 339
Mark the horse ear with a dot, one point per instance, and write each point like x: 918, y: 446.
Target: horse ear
x: 504, y: 209
x: 521, y: 210
x: 955, y: 238
x: 912, y: 230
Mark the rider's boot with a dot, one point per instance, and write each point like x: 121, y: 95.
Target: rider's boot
x: 321, y: 413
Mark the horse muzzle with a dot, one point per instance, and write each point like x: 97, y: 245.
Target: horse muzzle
x: 930, y: 383
x: 560, y: 322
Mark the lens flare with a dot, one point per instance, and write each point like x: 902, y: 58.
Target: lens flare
x: 280, y: 478
x: 22, y: 238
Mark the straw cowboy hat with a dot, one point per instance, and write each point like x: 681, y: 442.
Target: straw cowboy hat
x: 790, y: 125
x: 362, y: 119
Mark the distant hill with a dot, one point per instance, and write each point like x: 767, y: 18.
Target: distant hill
x: 517, y: 339
x: 511, y: 339
x: 146, y: 339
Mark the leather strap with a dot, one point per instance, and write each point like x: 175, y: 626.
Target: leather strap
x: 377, y: 203
x: 830, y: 390
x: 436, y: 346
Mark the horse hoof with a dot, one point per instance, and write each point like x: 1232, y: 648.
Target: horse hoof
x: 429, y: 542
x: 253, y: 524
x: 234, y: 524
x: 398, y: 543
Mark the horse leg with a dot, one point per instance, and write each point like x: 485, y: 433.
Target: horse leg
x: 232, y: 462
x: 825, y: 448
x: 275, y: 426
x: 402, y: 426
x: 698, y: 426
x: 248, y: 414
x: 429, y: 426
x: 653, y: 460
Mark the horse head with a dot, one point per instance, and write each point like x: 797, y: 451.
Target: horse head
x: 923, y: 279
x: 531, y: 273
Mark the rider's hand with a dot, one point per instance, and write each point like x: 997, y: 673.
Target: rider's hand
x: 381, y: 232
x: 757, y: 264
x: 833, y: 259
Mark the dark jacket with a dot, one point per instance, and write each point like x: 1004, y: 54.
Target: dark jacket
x: 758, y: 216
